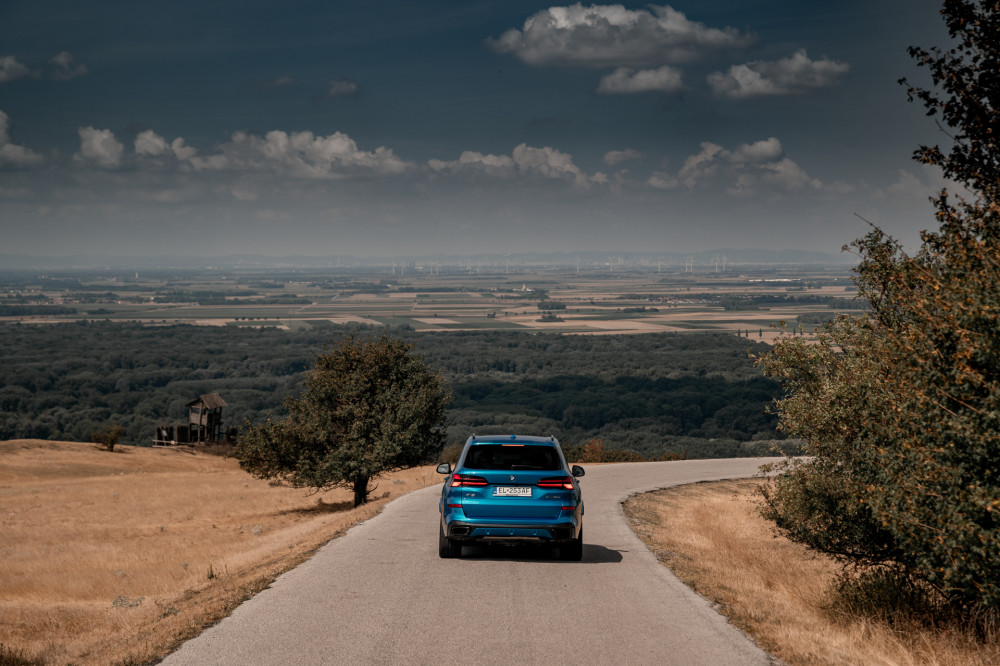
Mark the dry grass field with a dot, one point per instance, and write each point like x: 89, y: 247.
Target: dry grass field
x: 117, y: 557
x: 711, y: 536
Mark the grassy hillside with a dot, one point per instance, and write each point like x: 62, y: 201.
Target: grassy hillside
x: 116, y: 557
x: 712, y: 536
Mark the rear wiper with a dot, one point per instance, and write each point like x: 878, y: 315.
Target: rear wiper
x: 525, y: 467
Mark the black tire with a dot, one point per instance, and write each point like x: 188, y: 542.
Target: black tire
x: 446, y: 547
x: 572, y: 551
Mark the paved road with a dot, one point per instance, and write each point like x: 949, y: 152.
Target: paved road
x: 381, y: 595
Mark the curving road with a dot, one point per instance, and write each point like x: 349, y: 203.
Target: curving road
x: 381, y: 595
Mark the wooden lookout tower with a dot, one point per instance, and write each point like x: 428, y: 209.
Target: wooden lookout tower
x: 205, y: 419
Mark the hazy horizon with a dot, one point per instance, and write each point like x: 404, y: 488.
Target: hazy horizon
x: 392, y: 128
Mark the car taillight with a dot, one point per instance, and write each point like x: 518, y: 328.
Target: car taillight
x: 458, y: 480
x: 556, y: 482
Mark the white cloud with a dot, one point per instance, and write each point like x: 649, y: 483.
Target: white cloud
x: 625, y: 80
x: 65, y: 67
x: 611, y: 35
x: 767, y: 150
x: 341, y: 88
x: 495, y: 166
x: 613, y: 157
x: 746, y: 168
x: 524, y: 161
x: 297, y: 155
x: 788, y: 175
x: 547, y: 162
x: 12, y: 70
x: 13, y: 155
x: 777, y: 77
x: 151, y: 144
x: 181, y: 151
x: 99, y: 147
x: 700, y: 166
x: 663, y: 181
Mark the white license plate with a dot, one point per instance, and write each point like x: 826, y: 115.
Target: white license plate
x: 511, y: 491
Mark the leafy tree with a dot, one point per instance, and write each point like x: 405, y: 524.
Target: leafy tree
x: 107, y: 437
x: 369, y: 407
x: 968, y: 76
x: 901, y: 406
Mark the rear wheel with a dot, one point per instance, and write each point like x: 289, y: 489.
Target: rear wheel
x: 572, y: 551
x: 446, y: 547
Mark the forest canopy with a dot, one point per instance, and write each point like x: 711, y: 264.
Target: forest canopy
x: 652, y: 393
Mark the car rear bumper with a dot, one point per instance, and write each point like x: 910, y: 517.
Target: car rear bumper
x: 499, y: 532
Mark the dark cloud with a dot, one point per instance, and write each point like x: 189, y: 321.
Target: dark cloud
x: 63, y: 67
x: 11, y: 69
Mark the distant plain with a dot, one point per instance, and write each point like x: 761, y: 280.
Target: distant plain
x: 619, y: 299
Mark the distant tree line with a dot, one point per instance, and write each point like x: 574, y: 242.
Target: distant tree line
x: 738, y: 303
x: 652, y: 393
x: 34, y: 310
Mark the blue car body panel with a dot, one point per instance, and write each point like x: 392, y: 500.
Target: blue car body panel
x: 511, y: 488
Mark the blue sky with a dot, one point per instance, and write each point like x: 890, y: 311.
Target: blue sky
x: 387, y: 128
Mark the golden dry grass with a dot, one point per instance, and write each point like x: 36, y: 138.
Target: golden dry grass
x: 111, y: 557
x: 712, y: 537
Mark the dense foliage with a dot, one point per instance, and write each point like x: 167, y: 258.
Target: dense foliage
x: 368, y: 407
x: 653, y: 393
x: 968, y: 78
x: 901, y: 406
x: 901, y: 409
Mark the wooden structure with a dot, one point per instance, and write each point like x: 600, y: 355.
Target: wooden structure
x: 205, y: 419
x: 204, y: 424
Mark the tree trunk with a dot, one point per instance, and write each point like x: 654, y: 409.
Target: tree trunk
x: 360, y: 490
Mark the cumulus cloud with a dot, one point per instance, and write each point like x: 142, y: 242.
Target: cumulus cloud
x: 65, y: 67
x: 13, y: 155
x: 611, y: 35
x: 767, y: 150
x: 776, y: 77
x: 12, y: 70
x: 746, y: 168
x: 613, y: 157
x: 626, y: 80
x: 524, y: 161
x: 100, y: 147
x: 150, y: 144
x: 181, y: 151
x: 297, y: 155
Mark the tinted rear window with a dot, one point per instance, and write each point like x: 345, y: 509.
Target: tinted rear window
x: 507, y: 457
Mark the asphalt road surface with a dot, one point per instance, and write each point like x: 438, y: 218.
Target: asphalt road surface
x: 381, y: 595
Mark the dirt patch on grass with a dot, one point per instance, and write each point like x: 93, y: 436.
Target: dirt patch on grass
x: 118, y: 557
x: 712, y: 537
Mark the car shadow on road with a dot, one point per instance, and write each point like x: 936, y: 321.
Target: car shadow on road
x: 592, y: 553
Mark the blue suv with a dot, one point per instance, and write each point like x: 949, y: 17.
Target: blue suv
x: 509, y: 489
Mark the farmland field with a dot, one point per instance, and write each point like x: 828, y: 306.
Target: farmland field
x: 633, y: 299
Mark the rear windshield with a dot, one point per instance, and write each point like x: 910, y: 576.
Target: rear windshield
x: 511, y: 457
